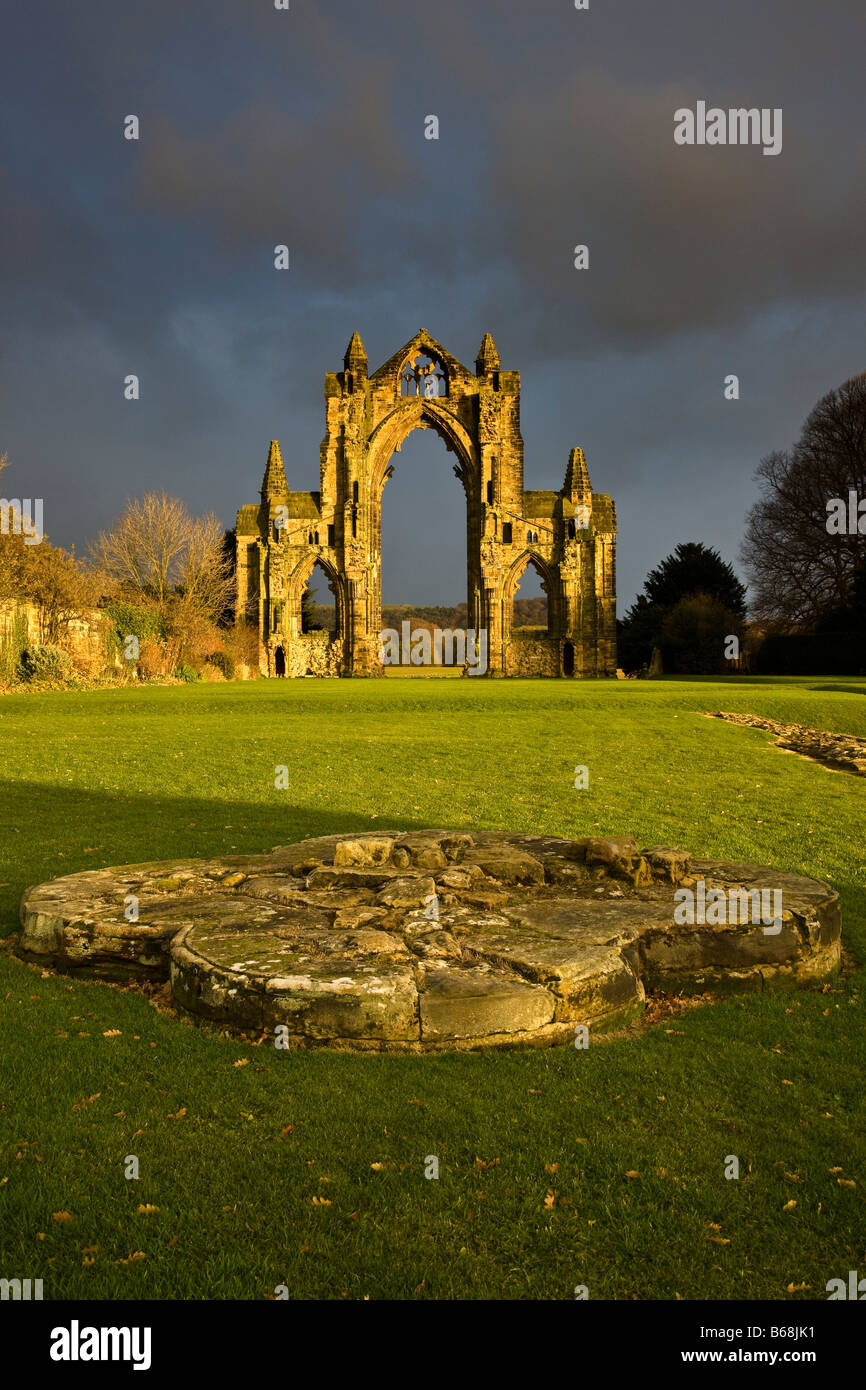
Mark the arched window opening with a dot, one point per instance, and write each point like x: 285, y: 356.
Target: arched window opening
x: 279, y: 662
x: 572, y: 530
x: 316, y: 537
x: 310, y: 539
x: 354, y: 523
x: 319, y: 602
x: 355, y: 492
x: 277, y: 617
x: 490, y: 492
x: 568, y: 659
x: 530, y: 613
x: 506, y: 533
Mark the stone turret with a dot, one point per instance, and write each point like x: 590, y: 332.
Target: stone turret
x: 577, y: 485
x: 488, y: 358
x: 355, y: 359
x: 274, y: 483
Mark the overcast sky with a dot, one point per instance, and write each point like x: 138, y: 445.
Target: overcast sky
x: 306, y: 127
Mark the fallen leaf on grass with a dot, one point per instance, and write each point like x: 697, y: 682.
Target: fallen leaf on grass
x: 551, y: 1167
x: 180, y: 1114
x: 792, y: 1177
x: 632, y: 1173
x: 89, y: 1249
x: 789, y: 1206
x: 481, y: 1164
x: 719, y: 1240
x: 83, y: 1104
x: 797, y: 1288
x: 549, y: 1200
x: 321, y: 1201
x: 130, y: 1259
x: 146, y: 1209
x: 112, y: 1032
x: 837, y: 1169
x: 62, y: 1216
x: 241, y: 1062
x: 846, y: 1182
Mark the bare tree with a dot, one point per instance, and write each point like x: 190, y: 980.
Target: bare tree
x: 161, y: 552
x: 799, y: 572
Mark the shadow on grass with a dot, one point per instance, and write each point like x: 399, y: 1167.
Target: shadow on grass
x: 843, y: 689
x: 47, y: 832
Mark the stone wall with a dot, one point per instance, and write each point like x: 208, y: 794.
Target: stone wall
x: 310, y: 654
x: 532, y: 654
x: 83, y: 635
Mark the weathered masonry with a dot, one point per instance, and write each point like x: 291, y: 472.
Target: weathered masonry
x: 569, y: 536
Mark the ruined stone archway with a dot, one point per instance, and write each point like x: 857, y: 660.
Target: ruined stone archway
x: 570, y: 535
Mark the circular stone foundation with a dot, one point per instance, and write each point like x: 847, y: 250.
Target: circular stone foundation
x: 436, y: 939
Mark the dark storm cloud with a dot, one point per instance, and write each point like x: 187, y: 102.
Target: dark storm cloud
x: 266, y: 176
x: 678, y: 237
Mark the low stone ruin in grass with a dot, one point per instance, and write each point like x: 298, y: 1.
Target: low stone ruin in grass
x: 435, y: 939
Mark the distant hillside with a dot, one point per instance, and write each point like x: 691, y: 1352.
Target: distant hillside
x: 528, y: 612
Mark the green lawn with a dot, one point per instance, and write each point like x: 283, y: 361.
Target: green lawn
x: 234, y: 1156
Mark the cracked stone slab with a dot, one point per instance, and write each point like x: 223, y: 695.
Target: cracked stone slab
x: 434, y: 938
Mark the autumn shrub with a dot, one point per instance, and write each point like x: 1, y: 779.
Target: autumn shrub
x: 47, y: 664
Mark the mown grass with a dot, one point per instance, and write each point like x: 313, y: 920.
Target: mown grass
x: 233, y: 1155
